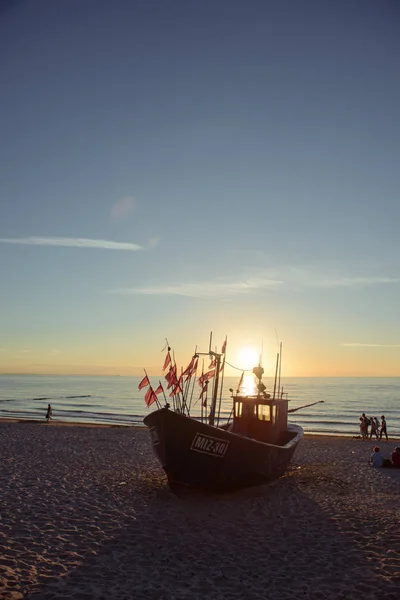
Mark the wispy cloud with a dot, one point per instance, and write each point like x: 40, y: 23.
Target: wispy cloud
x: 124, y: 207
x: 354, y: 281
x: 358, y: 345
x: 311, y: 276
x: 259, y: 280
x: 72, y: 242
x: 204, y: 289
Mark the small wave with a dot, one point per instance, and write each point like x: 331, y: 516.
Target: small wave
x: 85, y: 396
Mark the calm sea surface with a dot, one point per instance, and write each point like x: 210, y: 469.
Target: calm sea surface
x: 117, y: 400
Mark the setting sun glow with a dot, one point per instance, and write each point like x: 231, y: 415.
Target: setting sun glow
x: 248, y: 358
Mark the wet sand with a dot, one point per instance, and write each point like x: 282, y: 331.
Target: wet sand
x: 86, y: 514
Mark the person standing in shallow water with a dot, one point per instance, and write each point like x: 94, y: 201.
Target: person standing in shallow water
x: 49, y: 413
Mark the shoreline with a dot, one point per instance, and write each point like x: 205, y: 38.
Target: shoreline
x: 55, y: 423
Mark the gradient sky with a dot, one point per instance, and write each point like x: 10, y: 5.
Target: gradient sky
x: 168, y: 168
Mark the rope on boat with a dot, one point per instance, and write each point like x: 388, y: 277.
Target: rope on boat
x: 292, y: 410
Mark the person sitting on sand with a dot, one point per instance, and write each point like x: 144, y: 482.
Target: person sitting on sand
x: 49, y: 413
x: 376, y: 458
x: 395, y: 457
x: 383, y: 428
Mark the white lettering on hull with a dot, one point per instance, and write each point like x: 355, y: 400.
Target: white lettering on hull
x: 208, y: 444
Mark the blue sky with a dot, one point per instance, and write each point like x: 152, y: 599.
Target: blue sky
x: 171, y: 168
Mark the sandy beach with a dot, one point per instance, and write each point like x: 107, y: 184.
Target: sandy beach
x: 86, y: 513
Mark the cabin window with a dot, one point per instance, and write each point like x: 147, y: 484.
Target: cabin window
x: 273, y: 413
x: 238, y: 409
x: 264, y: 412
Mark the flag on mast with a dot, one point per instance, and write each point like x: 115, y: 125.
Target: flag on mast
x: 159, y: 390
x: 167, y: 361
x: 206, y: 377
x: 150, y: 397
x: 171, y: 376
x: 145, y: 382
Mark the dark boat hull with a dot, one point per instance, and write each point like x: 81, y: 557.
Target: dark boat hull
x: 201, y: 455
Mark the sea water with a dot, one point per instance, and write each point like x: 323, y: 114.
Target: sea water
x: 117, y: 400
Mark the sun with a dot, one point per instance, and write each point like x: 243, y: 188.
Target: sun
x: 248, y: 358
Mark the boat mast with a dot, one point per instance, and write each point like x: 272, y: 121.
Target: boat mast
x: 276, y: 372
x: 215, y: 390
x: 280, y: 365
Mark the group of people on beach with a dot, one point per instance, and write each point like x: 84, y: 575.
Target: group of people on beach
x: 377, y: 460
x: 377, y: 429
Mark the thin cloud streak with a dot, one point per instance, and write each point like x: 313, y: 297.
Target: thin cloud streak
x: 309, y: 276
x: 72, y: 243
x: 355, y: 281
x: 202, y: 290
x: 270, y: 279
x: 358, y: 345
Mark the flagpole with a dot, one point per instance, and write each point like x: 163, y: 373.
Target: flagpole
x: 215, y: 390
x: 165, y: 398
x: 194, y: 381
x: 157, y: 401
x: 280, y: 365
x: 276, y: 373
x: 222, y: 381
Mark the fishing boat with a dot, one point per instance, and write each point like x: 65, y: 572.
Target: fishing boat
x: 253, y: 447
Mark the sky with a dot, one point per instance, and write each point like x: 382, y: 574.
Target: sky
x: 174, y: 168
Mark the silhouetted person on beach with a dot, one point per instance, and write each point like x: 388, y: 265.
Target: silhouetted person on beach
x: 374, y: 428
x: 363, y: 429
x: 376, y: 458
x: 383, y: 428
x: 395, y: 457
x: 367, y: 421
x: 49, y: 413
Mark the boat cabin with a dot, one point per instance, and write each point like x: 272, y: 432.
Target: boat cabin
x: 260, y: 417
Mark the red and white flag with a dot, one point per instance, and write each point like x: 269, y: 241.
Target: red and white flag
x: 145, y: 382
x: 206, y: 377
x: 166, y: 361
x: 150, y: 397
x: 177, y: 390
x: 194, y: 367
x: 203, y: 389
x: 189, y: 369
x: 171, y: 377
x: 159, y: 390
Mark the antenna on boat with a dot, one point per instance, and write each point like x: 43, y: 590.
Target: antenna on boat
x: 280, y: 366
x: 276, y: 373
x: 209, y: 348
